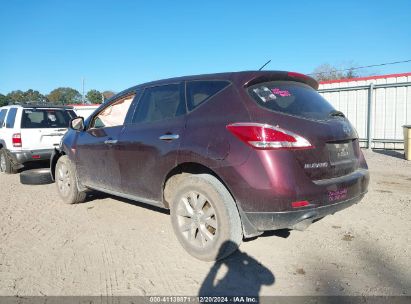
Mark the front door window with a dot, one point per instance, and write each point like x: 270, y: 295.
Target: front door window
x: 114, y: 115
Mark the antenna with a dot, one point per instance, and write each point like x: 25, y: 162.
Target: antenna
x: 264, y: 65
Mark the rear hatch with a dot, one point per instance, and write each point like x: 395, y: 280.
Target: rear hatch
x: 297, y: 107
x: 43, y: 128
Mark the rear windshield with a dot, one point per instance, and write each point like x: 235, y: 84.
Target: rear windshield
x: 291, y: 98
x: 46, y: 118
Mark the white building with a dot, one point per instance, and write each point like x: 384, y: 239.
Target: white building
x: 383, y: 100
x: 84, y: 110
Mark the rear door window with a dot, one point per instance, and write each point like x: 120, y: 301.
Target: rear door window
x: 2, y: 117
x: 200, y: 91
x: 11, y: 118
x: 160, y: 103
x: 44, y: 118
x: 291, y: 98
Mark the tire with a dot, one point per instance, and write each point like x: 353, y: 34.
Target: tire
x: 205, y: 218
x: 36, y: 177
x: 66, y: 182
x: 5, y: 164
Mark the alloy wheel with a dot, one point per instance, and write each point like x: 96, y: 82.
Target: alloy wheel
x: 2, y: 163
x: 63, y: 180
x: 197, y: 219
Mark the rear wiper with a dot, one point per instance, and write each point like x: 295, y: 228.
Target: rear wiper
x: 336, y: 113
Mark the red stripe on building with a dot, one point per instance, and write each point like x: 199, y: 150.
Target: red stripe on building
x: 366, y: 78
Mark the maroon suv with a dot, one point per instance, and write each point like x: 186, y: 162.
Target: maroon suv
x: 231, y: 155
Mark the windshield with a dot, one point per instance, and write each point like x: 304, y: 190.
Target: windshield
x: 46, y: 118
x: 293, y: 98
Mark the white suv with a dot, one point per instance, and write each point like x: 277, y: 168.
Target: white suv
x: 30, y: 133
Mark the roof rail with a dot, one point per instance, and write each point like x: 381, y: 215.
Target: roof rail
x: 43, y: 105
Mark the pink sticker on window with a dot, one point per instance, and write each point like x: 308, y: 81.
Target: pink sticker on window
x: 282, y: 93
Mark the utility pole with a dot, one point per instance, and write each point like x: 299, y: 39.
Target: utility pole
x: 83, y: 91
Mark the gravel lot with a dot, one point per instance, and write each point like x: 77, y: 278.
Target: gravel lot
x: 110, y: 246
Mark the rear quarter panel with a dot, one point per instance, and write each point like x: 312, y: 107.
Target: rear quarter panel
x: 206, y: 139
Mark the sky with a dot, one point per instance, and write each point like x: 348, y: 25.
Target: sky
x: 113, y: 45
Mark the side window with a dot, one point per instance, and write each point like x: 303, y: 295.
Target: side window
x: 72, y: 114
x: 11, y: 118
x: 2, y: 117
x: 200, y: 91
x: 160, y: 103
x: 113, y: 115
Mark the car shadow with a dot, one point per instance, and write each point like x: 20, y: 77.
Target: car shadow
x: 392, y: 153
x: 242, y: 276
x: 93, y: 195
x: 282, y: 233
x: 35, y: 165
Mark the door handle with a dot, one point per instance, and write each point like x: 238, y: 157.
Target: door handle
x: 110, y: 141
x: 169, y: 136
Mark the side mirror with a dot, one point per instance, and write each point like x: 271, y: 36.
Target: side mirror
x: 77, y: 124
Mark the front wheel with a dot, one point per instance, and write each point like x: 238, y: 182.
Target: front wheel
x: 205, y: 218
x: 66, y: 181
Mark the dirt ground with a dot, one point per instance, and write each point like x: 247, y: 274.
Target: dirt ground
x: 110, y: 246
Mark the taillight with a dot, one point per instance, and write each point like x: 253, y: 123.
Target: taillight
x: 299, y: 204
x: 16, y: 140
x: 266, y: 137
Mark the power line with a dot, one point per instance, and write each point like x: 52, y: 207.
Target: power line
x: 366, y: 66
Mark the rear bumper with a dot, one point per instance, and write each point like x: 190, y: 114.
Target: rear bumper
x: 299, y: 219
x: 22, y: 157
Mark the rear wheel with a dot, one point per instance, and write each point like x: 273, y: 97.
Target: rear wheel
x: 66, y: 181
x: 5, y: 164
x: 205, y: 218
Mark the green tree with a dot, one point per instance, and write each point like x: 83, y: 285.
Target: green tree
x: 16, y: 96
x: 34, y: 96
x: 3, y: 100
x: 94, y: 96
x: 64, y: 96
x: 30, y: 95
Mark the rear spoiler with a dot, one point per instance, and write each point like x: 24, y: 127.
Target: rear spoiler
x: 259, y: 77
